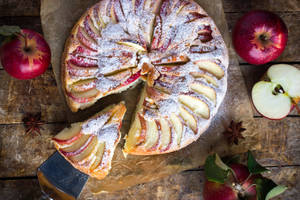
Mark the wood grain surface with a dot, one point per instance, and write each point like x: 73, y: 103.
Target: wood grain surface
x: 276, y: 143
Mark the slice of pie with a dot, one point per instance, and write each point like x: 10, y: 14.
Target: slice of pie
x: 89, y: 146
x: 171, y: 45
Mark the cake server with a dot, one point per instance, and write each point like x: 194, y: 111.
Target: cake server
x: 59, y: 180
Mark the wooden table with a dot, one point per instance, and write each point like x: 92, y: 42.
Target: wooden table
x: 278, y: 147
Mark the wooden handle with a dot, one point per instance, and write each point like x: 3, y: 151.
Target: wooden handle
x: 50, y: 191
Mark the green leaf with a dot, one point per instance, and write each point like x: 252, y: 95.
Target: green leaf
x: 263, y: 187
x: 231, y: 159
x: 253, y: 166
x: 9, y: 30
x: 276, y: 191
x: 215, y: 170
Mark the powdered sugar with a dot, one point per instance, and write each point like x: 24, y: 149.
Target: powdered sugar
x: 94, y: 125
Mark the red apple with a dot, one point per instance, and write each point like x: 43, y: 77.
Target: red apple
x: 27, y: 56
x: 260, y: 37
x: 240, y: 186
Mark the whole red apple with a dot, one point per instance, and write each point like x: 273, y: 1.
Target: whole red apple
x: 259, y: 37
x: 239, y: 186
x: 26, y: 56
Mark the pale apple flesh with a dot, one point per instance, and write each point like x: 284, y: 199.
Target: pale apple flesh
x: 68, y: 135
x: 85, y: 150
x: 272, y: 106
x: 276, y: 99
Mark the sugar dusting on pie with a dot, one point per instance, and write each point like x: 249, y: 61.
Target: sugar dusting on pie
x: 89, y: 146
x: 173, y: 46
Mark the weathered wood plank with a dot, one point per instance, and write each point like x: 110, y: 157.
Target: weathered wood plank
x: 292, y: 20
x: 18, y: 97
x: 20, y: 8
x: 275, y: 143
x: 253, y: 74
x: 271, y: 5
x: 21, y: 154
x: 33, y: 23
x: 184, y: 186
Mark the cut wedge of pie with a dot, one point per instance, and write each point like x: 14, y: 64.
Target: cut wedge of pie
x: 89, y: 146
x: 171, y: 45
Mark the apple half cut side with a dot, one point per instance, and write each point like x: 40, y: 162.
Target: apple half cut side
x: 268, y: 102
x: 274, y: 99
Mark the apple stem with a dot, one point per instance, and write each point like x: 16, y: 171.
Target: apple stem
x: 246, y: 179
x: 25, y: 39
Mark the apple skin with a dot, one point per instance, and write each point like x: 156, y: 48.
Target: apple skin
x: 26, y: 63
x: 217, y: 191
x: 260, y: 37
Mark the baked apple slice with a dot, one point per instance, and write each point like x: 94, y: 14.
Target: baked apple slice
x: 196, y: 105
x: 77, y: 72
x: 96, y: 139
x: 189, y: 119
x: 78, y: 146
x: 178, y: 127
x: 172, y: 60
x: 207, y: 91
x: 83, y: 85
x: 206, y: 77
x: 133, y: 44
x: 152, y: 136
x: 84, y: 97
x: 166, y: 136
x: 211, y: 67
x: 68, y: 135
x: 86, y: 40
x: 88, y: 152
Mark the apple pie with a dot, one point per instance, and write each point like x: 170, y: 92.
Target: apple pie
x: 173, y: 46
x: 89, y: 146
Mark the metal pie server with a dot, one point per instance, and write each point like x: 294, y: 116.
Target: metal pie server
x: 59, y: 180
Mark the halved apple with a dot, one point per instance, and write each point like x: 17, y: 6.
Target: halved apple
x: 133, y: 44
x: 210, y: 67
x: 84, y: 97
x: 83, y: 85
x: 189, y: 119
x: 178, y: 127
x: 207, y: 77
x: 87, y: 151
x: 172, y: 60
x: 165, y: 137
x: 68, y: 135
x: 196, y: 105
x: 275, y: 99
x: 98, y: 155
x: 78, y: 146
x: 152, y: 136
x: 209, y: 92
